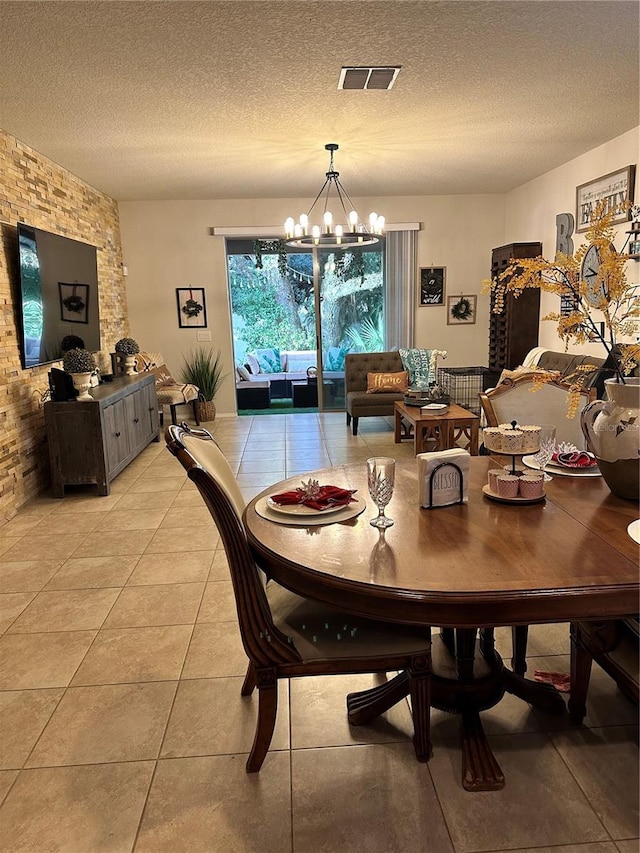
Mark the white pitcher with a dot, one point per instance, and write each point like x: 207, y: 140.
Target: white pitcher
x: 612, y: 430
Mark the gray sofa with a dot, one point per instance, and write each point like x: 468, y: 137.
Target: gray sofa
x: 358, y: 403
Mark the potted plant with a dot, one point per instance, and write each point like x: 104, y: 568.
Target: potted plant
x: 203, y: 369
x: 603, y: 307
x: 128, y: 348
x: 80, y: 363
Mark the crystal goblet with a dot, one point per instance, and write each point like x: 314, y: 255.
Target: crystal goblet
x: 547, y: 448
x: 381, y: 473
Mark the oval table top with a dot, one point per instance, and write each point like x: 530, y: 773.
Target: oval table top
x: 478, y: 564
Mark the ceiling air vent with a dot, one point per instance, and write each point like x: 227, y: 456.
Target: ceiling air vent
x: 368, y: 77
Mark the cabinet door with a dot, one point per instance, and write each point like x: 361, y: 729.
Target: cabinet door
x: 115, y: 431
x: 135, y: 415
x: 151, y: 411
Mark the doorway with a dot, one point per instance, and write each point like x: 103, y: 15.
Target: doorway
x: 295, y: 315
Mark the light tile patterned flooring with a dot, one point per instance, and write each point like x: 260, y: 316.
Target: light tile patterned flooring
x: 121, y: 722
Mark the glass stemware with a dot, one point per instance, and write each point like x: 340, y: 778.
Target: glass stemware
x: 547, y: 448
x: 381, y: 474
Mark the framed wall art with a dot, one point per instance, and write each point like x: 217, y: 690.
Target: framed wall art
x: 74, y: 302
x: 431, y: 286
x: 461, y: 309
x: 192, y: 309
x: 616, y: 187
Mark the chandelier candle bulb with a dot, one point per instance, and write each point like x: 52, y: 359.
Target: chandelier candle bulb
x: 289, y: 228
x: 304, y: 223
x: 328, y: 221
x: 353, y: 220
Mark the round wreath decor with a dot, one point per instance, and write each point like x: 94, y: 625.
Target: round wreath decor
x: 191, y: 308
x: 74, y: 304
x: 462, y: 309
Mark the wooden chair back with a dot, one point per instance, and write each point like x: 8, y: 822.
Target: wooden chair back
x: 208, y: 469
x: 516, y: 399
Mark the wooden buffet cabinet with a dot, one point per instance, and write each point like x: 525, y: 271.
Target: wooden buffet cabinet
x: 92, y: 442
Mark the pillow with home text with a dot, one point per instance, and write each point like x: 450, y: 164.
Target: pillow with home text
x: 380, y: 383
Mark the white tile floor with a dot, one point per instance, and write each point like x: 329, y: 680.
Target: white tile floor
x: 121, y: 722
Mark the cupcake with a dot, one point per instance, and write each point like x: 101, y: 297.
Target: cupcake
x: 507, y: 485
x: 530, y: 486
x: 492, y: 437
x: 494, y: 473
x: 512, y: 440
x: 531, y: 438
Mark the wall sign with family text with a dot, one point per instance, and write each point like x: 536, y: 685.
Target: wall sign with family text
x: 616, y: 188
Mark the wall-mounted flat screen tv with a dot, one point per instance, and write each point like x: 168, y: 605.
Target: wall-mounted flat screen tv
x: 58, y: 294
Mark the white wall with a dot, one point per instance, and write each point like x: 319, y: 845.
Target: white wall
x: 169, y: 244
x: 531, y: 210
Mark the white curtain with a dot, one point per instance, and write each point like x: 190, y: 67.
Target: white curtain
x: 401, y: 259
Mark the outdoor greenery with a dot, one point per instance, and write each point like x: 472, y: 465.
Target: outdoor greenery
x: 203, y: 369
x: 273, y: 303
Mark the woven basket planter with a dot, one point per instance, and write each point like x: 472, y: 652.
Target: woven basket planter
x: 206, y: 410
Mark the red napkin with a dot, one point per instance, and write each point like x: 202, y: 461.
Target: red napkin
x: 560, y: 680
x: 326, y: 497
x: 578, y: 459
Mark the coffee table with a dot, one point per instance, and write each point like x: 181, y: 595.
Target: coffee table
x: 445, y: 428
x: 305, y: 394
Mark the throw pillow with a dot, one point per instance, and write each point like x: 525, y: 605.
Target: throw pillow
x: 269, y: 360
x: 418, y: 364
x: 378, y: 383
x: 163, y: 376
x: 252, y: 364
x: 335, y: 358
x: 243, y: 373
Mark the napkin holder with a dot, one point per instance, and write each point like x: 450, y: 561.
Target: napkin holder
x: 443, y: 478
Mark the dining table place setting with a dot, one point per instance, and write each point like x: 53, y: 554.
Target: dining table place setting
x: 311, y: 503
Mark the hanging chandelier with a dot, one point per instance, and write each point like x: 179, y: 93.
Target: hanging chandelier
x: 333, y: 234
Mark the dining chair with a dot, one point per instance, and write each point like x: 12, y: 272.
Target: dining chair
x: 613, y: 644
x: 514, y: 399
x: 285, y: 635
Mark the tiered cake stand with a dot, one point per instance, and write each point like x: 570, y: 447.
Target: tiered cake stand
x: 494, y: 496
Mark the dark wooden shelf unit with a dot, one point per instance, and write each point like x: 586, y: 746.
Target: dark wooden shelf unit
x: 514, y: 331
x: 91, y: 442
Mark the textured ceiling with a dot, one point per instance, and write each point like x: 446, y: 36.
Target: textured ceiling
x: 196, y: 100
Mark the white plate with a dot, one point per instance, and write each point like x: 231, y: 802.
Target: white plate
x: 345, y: 514
x: 301, y: 509
x: 530, y: 462
x: 634, y: 530
x: 435, y: 407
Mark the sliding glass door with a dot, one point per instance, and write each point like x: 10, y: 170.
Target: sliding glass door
x: 296, y: 309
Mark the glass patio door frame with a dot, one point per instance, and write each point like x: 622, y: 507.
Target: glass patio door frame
x: 318, y: 277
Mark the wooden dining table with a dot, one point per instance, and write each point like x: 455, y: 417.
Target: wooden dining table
x: 465, y: 568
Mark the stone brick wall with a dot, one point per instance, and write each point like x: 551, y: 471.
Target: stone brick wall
x: 37, y: 191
